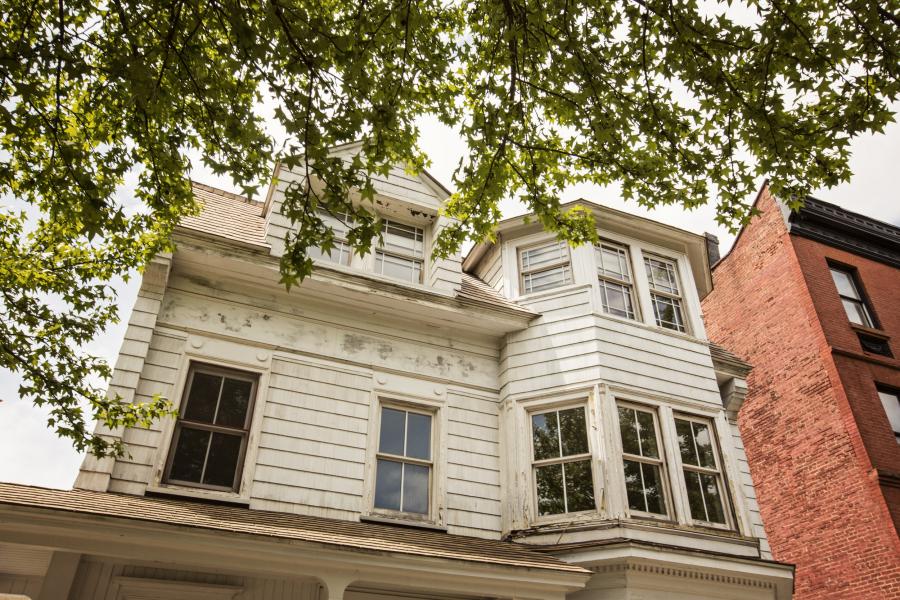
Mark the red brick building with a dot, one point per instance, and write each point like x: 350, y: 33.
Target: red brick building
x: 812, y: 301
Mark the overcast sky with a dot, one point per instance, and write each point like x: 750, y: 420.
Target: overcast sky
x: 31, y: 454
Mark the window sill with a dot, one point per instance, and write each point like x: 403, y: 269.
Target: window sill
x: 570, y: 287
x: 870, y: 331
x: 384, y: 520
x: 648, y: 327
x: 198, y: 494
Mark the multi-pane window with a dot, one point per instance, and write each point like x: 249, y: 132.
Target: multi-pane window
x: 340, y: 253
x: 854, y: 304
x: 702, y: 473
x: 616, y: 291
x: 562, y: 462
x: 401, y: 254
x: 642, y: 461
x: 891, y: 402
x: 545, y: 267
x: 404, y: 462
x: 210, y: 437
x: 665, y: 294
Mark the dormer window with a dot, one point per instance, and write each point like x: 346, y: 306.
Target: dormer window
x: 662, y: 275
x: 545, y: 267
x: 616, y: 291
x: 341, y: 252
x: 401, y: 254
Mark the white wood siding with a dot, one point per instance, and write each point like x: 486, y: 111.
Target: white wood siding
x: 490, y: 268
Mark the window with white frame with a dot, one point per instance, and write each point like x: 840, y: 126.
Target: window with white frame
x: 340, y: 252
x: 404, y: 462
x: 562, y: 464
x: 854, y: 303
x: 616, y: 285
x: 544, y: 267
x: 401, y: 254
x: 701, y: 469
x: 665, y: 293
x: 890, y: 400
x: 642, y: 461
x: 210, y: 438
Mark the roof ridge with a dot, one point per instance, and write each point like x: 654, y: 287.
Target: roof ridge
x: 219, y: 191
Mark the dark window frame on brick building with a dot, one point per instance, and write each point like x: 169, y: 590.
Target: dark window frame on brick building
x: 890, y: 401
x: 226, y: 430
x: 855, y: 295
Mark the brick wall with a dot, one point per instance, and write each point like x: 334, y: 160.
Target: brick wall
x: 822, y: 509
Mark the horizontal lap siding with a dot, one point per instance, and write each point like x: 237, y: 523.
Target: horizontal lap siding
x: 312, y: 447
x: 473, y: 466
x: 746, y: 483
x: 27, y: 585
x: 490, y: 268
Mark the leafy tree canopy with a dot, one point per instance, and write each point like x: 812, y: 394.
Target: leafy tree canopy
x: 678, y: 101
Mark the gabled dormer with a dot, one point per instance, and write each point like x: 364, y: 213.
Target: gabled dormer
x: 409, y: 206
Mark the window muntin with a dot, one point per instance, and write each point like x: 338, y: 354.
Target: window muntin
x: 616, y: 286
x: 701, y: 470
x: 662, y: 275
x: 854, y: 304
x: 341, y: 252
x: 562, y: 462
x: 401, y: 253
x: 404, y: 463
x: 642, y: 461
x: 545, y: 267
x: 890, y: 400
x: 210, y: 438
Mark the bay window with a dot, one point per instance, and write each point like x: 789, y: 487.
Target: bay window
x: 562, y: 461
x: 544, y: 267
x: 340, y: 252
x: 701, y: 470
x: 616, y: 285
x: 665, y: 294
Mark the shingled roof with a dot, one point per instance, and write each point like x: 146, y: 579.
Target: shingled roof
x: 227, y: 215
x: 370, y: 537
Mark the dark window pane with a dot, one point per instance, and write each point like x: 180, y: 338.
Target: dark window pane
x: 579, y: 486
x: 201, y: 403
x: 190, y: 452
x: 695, y: 496
x: 714, y: 509
x: 686, y: 442
x: 648, y: 434
x: 418, y: 436
x: 221, y: 464
x: 550, y: 490
x: 704, y: 446
x: 393, y: 426
x: 234, y: 402
x: 573, y: 431
x: 387, y: 484
x: 634, y: 486
x: 628, y: 428
x: 415, y: 488
x: 653, y: 489
x: 545, y: 433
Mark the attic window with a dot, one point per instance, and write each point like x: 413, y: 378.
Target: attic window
x: 341, y: 252
x: 545, y: 267
x: 401, y: 254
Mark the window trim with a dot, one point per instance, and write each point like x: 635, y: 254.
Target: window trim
x: 195, y: 366
x: 680, y: 297
x: 387, y: 401
x: 629, y: 285
x: 662, y: 462
x: 721, y: 473
x: 529, y: 245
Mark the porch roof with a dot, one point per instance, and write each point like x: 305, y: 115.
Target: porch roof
x: 356, y: 536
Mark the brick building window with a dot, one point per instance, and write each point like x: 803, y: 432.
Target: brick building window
x: 562, y: 461
x: 614, y: 272
x: 210, y: 438
x: 890, y: 400
x: 857, y: 310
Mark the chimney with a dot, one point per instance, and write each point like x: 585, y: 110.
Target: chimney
x: 712, y: 248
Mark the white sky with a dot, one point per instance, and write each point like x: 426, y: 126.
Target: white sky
x: 31, y: 454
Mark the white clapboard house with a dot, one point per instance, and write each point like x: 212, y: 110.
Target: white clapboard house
x: 531, y: 422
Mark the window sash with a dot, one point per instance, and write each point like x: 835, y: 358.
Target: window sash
x: 715, y: 472
x: 534, y: 269
x: 562, y: 460
x: 212, y: 427
x: 658, y: 461
x: 404, y: 459
x: 399, y: 239
x: 891, y: 402
x: 672, y: 286
x: 385, y: 260
x: 852, y: 299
